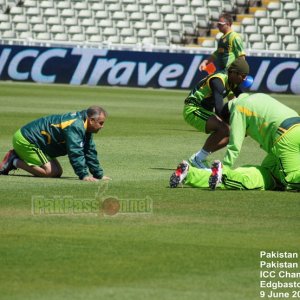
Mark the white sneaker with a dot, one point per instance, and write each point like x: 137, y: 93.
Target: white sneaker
x: 216, y: 175
x: 200, y: 164
x: 180, y: 174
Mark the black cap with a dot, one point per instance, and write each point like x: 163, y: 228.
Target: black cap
x: 240, y: 65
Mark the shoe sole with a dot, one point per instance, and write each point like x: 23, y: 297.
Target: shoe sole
x: 213, y: 179
x: 3, y: 166
x: 175, y: 177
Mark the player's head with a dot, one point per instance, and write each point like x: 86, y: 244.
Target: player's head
x: 224, y: 23
x: 238, y: 71
x: 96, y: 116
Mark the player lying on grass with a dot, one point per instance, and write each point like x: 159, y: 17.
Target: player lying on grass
x: 274, y: 126
x: 203, y: 107
x: 37, y: 144
x: 243, y: 178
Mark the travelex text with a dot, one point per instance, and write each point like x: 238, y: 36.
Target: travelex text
x: 92, y: 66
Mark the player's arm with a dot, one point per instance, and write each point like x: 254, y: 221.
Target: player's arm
x: 217, y: 87
x: 91, y: 158
x: 74, y: 136
x: 205, y: 62
x: 238, y: 47
x: 236, y: 138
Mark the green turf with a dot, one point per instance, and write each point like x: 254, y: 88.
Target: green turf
x: 195, y: 244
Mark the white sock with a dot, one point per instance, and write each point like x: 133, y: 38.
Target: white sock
x: 202, y: 154
x: 15, y: 161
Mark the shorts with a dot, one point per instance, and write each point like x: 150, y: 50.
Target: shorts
x: 29, y: 153
x: 197, y: 116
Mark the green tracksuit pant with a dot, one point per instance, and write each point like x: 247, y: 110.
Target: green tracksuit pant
x: 243, y: 178
x: 284, y: 159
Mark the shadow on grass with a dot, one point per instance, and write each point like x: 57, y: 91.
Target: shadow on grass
x: 30, y: 176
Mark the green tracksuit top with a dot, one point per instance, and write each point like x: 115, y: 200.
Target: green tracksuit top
x: 58, y: 135
x: 230, y: 47
x: 258, y: 116
x: 202, y: 94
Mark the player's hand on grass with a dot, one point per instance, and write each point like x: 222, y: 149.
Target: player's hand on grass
x: 90, y: 179
x: 106, y: 178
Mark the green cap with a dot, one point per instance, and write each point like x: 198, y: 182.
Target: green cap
x: 240, y: 65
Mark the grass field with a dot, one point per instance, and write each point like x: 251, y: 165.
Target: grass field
x: 195, y: 244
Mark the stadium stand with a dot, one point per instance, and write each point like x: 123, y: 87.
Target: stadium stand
x: 264, y: 25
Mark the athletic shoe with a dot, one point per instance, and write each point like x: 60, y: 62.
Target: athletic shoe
x: 7, y: 163
x: 179, y: 175
x: 200, y: 164
x: 216, y: 175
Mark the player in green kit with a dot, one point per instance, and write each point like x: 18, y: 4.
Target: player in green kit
x: 37, y: 144
x: 242, y: 178
x: 203, y: 106
x: 230, y: 45
x: 274, y: 126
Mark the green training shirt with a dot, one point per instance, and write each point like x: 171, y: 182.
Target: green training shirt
x: 230, y: 47
x: 58, y: 135
x: 202, y: 95
x: 258, y: 116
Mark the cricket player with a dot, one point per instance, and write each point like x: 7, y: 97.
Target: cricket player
x: 37, y: 144
x: 274, y: 126
x: 230, y: 45
x: 242, y: 178
x: 203, y: 106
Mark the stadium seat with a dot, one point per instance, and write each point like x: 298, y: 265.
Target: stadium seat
x: 130, y: 40
x: 74, y: 29
x: 153, y: 17
x: 268, y: 30
x: 167, y: 9
x: 157, y: 25
x: 101, y: 15
x: 8, y: 34
x: 140, y: 25
x: 33, y: 11
x: 63, y: 4
x: 92, y: 30
x: 198, y: 3
x: 208, y: 43
x: 53, y: 21
x: 60, y: 37
x: 70, y: 21
x: 258, y: 46
x: 67, y: 12
x: 46, y: 4
x: 57, y: 29
x: 275, y: 46
x: 255, y: 37
x: 132, y: 8
x: 43, y: 36
x: 273, y: 38
x: 35, y: 20
x: 39, y: 28
x: 265, y: 22
x: 113, y: 39
x: 94, y: 39
x: 292, y: 47
x: 30, y: 3
x: 78, y: 37
x: 285, y: 30
x: 142, y: 33
x: 119, y: 15
x: 122, y: 24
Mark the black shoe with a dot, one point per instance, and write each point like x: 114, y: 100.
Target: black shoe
x: 7, y: 163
